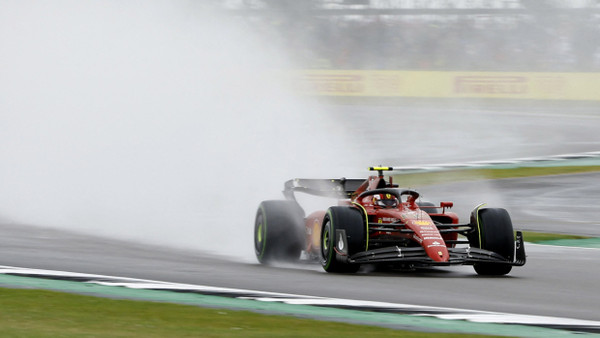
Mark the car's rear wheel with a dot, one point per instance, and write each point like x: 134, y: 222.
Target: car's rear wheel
x: 342, y: 235
x: 494, y: 232
x: 279, y: 231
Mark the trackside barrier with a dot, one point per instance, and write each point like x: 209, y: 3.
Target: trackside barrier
x: 434, y: 84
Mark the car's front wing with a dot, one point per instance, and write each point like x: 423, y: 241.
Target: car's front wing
x: 458, y: 256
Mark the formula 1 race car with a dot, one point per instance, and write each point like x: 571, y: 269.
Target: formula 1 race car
x: 375, y: 222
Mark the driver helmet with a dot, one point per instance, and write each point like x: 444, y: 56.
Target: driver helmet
x: 385, y: 200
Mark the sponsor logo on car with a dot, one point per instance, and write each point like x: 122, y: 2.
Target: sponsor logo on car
x: 422, y: 223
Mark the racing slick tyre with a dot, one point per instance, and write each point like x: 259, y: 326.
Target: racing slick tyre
x: 494, y: 232
x: 279, y: 231
x: 342, y: 235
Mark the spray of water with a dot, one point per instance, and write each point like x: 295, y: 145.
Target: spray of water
x: 150, y: 121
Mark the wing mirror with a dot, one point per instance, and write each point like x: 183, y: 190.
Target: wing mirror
x: 445, y: 205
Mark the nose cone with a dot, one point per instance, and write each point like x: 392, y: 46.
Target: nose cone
x: 427, y: 234
x: 436, y: 249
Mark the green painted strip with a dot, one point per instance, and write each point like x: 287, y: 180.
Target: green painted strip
x: 407, y: 322
x: 582, y: 243
x: 593, y: 161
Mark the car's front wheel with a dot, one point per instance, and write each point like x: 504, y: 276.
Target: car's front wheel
x: 342, y: 235
x: 494, y: 232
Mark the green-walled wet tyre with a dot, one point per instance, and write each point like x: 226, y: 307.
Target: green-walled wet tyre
x: 342, y: 235
x: 279, y: 231
x: 494, y: 232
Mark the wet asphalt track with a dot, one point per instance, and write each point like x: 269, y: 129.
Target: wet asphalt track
x: 556, y: 203
x: 417, y: 135
x: 555, y: 282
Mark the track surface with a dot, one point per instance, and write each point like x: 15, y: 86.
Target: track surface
x: 555, y: 282
x: 556, y: 203
x: 416, y: 135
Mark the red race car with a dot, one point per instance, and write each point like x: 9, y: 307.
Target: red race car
x: 375, y: 222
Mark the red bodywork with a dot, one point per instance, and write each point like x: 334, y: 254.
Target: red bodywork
x: 407, y: 215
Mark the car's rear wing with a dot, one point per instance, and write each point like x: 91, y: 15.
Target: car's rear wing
x: 336, y: 188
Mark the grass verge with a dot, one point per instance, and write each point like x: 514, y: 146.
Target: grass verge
x: 428, y: 178
x: 41, y: 313
x: 537, y: 237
